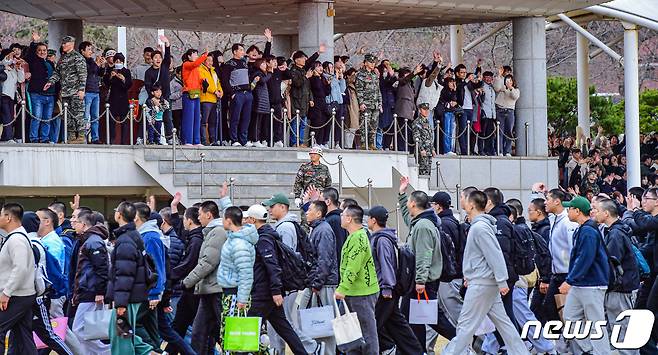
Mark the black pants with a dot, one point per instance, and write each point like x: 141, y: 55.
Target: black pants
x: 169, y: 335
x: 278, y: 123
x: 487, y: 146
x: 176, y: 117
x: 147, y: 325
x: 550, y: 307
x: 339, y: 123
x: 393, y: 328
x: 443, y: 327
x: 185, y: 313
x: 403, y: 142
x: 259, y: 128
x: 318, y: 118
x: 44, y: 330
x: 277, y: 317
x: 224, y: 133
x: 205, y: 331
x: 536, y: 304
x: 7, y: 115
x: 646, y: 299
x: 18, y: 319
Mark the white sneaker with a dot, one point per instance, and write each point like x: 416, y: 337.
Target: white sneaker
x: 265, y: 143
x: 278, y: 144
x: 237, y: 144
x: 451, y: 153
x: 139, y: 141
x: 337, y: 146
x: 249, y: 144
x: 258, y: 144
x: 508, y: 155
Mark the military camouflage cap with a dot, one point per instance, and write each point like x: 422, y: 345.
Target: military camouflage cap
x: 67, y: 39
x: 370, y: 58
x: 424, y: 105
x: 316, y: 150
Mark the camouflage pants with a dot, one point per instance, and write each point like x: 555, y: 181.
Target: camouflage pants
x: 76, y: 114
x: 424, y: 164
x: 372, y: 122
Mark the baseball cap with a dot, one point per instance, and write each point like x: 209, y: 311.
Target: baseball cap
x: 580, y: 203
x: 442, y: 199
x: 258, y: 212
x: 316, y: 150
x: 67, y: 39
x: 377, y: 212
x: 278, y: 198
x: 370, y: 58
x: 110, y: 53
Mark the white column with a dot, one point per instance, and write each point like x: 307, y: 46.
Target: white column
x: 60, y: 28
x: 121, y: 41
x: 282, y: 45
x: 316, y: 28
x: 582, y: 75
x: 632, y: 104
x: 530, y: 74
x: 456, y: 44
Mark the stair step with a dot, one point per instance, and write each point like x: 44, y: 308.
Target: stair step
x: 241, y: 191
x: 223, y: 154
x: 165, y: 167
x: 245, y: 179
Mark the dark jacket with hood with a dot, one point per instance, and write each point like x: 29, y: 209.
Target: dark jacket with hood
x: 647, y: 224
x: 190, y: 258
x: 128, y: 276
x: 505, y: 234
x: 71, y: 250
x: 333, y: 218
x: 451, y: 226
x: 384, y: 246
x: 261, y: 92
x: 300, y: 90
x: 542, y: 228
x: 618, y: 241
x: 176, y: 253
x: 324, y: 241
x: 93, y: 76
x: 267, y: 271
x: 93, y: 266
x: 588, y: 263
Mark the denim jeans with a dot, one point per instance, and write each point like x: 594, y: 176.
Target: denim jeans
x: 293, y: 129
x: 448, y: 120
x: 92, y: 102
x: 506, y: 118
x: 42, y: 108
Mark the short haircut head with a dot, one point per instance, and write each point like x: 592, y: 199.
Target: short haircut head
x: 148, y: 50
x: 540, y: 205
x: 636, y: 191
x: 165, y: 213
x: 421, y: 199
x: 252, y: 48
x: 516, y: 204
x: 14, y: 209
x: 651, y: 192
x: 348, y: 202
x: 143, y: 211
x: 234, y: 214
x: 59, y: 207
x: 192, y: 214
x: 356, y: 212
x: 467, y: 190
x: 320, y: 206
x: 87, y: 219
x: 460, y: 67
x: 558, y: 194
x: 609, y: 206
x: 127, y: 211
x: 512, y: 212
x: 330, y: 195
x: 83, y: 45
x: 52, y: 216
x: 98, y: 217
x: 478, y: 199
x: 154, y: 53
x: 210, y: 206
x: 236, y: 46
x: 494, y: 195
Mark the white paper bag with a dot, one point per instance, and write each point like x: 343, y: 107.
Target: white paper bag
x: 347, y: 330
x: 97, y: 325
x: 316, y: 322
x: 423, y: 311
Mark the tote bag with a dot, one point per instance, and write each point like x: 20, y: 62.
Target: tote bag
x: 347, y: 330
x: 316, y: 322
x: 242, y: 333
x: 97, y: 324
x: 423, y: 311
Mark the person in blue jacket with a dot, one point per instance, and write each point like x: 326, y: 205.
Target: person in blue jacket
x: 588, y: 277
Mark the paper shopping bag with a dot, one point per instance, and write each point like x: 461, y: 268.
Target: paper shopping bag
x: 316, y: 322
x: 59, y: 327
x: 347, y: 330
x: 242, y: 333
x: 97, y: 325
x: 423, y: 311
x: 560, y: 301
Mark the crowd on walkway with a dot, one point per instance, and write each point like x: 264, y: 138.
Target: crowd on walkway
x: 253, y: 97
x: 181, y: 280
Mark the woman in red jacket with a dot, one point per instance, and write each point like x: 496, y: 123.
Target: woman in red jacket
x: 191, y: 121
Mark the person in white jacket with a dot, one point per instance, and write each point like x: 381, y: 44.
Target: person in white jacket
x: 506, y: 97
x: 13, y: 68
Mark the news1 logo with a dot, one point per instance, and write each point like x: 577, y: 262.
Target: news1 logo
x: 638, y: 330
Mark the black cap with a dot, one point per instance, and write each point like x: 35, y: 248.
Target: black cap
x: 379, y: 213
x: 442, y: 199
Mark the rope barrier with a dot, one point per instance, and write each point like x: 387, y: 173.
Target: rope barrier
x: 18, y: 114
x: 444, y: 182
x: 502, y: 133
x: 456, y: 136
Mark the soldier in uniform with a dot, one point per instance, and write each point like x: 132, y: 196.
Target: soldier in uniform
x: 424, y: 137
x: 71, y: 72
x: 369, y: 97
x: 310, y: 174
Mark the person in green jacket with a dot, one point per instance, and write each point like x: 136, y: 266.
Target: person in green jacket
x: 423, y: 240
x: 358, y: 286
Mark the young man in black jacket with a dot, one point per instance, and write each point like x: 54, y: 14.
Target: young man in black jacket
x: 158, y: 73
x: 235, y: 83
x: 267, y: 290
x: 331, y: 198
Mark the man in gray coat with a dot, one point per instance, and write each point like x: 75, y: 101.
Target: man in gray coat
x: 485, y: 275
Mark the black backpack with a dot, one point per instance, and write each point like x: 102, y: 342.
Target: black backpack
x: 449, y: 270
x: 542, y: 255
x: 305, y: 248
x: 293, y: 268
x: 523, y: 252
x: 405, y: 275
x: 150, y: 273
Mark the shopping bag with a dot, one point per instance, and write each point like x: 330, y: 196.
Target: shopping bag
x: 59, y: 327
x: 560, y: 300
x: 97, y: 324
x: 347, y: 330
x: 242, y: 333
x: 316, y: 321
x: 423, y: 311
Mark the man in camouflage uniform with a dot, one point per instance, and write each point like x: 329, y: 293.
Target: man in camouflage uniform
x: 71, y: 72
x: 424, y: 137
x: 310, y: 174
x: 369, y: 97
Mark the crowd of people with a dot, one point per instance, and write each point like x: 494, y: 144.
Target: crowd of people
x: 215, y: 98
x: 176, y: 278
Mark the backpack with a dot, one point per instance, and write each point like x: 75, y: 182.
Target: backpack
x: 542, y: 255
x: 405, y: 275
x: 41, y: 283
x: 305, y: 248
x: 293, y: 268
x: 58, y: 280
x: 523, y: 254
x: 449, y: 270
x: 150, y: 273
x: 642, y: 264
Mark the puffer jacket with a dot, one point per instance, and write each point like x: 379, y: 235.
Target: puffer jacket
x: 236, y: 268
x: 333, y: 218
x: 93, y: 266
x: 176, y: 254
x: 209, y: 75
x: 618, y: 241
x: 261, y: 92
x: 325, y: 272
x: 204, y: 275
x: 128, y: 276
x: 267, y: 271
x: 451, y: 226
x: 93, y: 83
x: 156, y: 248
x: 505, y: 234
x: 543, y: 228
x: 384, y: 252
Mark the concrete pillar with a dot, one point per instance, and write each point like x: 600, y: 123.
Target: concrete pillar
x: 121, y: 42
x: 632, y: 103
x: 456, y: 44
x: 316, y: 28
x: 530, y: 74
x: 582, y: 75
x: 282, y: 45
x: 60, y: 28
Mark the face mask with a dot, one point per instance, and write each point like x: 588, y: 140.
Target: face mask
x: 118, y: 66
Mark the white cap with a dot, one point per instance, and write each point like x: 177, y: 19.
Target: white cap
x: 258, y: 212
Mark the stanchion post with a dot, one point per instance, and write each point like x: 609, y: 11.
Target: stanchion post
x: 144, y: 134
x: 23, y: 112
x: 333, y: 128
x: 498, y: 138
x: 66, y: 122
x: 173, y: 150
x: 397, y: 217
x: 369, y: 192
x: 285, y: 127
x: 312, y: 139
x: 417, y: 149
x: 395, y: 132
x: 468, y: 137
x: 365, y: 123
x: 406, y: 135
x: 438, y: 166
x: 107, y: 124
x: 203, y: 172
x: 527, y: 147
x: 131, y: 117
x: 297, y: 128
x: 231, y: 185
x: 457, y: 192
x: 342, y: 131
x: 437, y: 137
x: 340, y: 175
x: 271, y: 127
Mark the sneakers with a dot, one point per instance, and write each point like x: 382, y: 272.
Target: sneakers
x: 236, y: 144
x: 140, y: 141
x: 259, y: 145
x: 278, y: 144
x: 451, y: 153
x: 508, y: 155
x: 265, y: 143
x: 319, y: 350
x: 249, y: 144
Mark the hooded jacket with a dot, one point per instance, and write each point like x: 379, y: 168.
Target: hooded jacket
x: 128, y: 275
x: 92, y: 273
x: 588, y: 265
x: 505, y: 234
x: 190, y: 255
x: 204, y: 274
x: 543, y: 228
x: 236, y: 268
x: 618, y: 241
x: 155, y: 247
x: 261, y: 92
x: 384, y: 246
x: 451, y: 226
x: 333, y: 218
x: 483, y: 258
x: 176, y: 254
x: 424, y: 242
x: 324, y: 241
x: 267, y: 271
x: 561, y: 241
x: 648, y: 224
x: 287, y: 230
